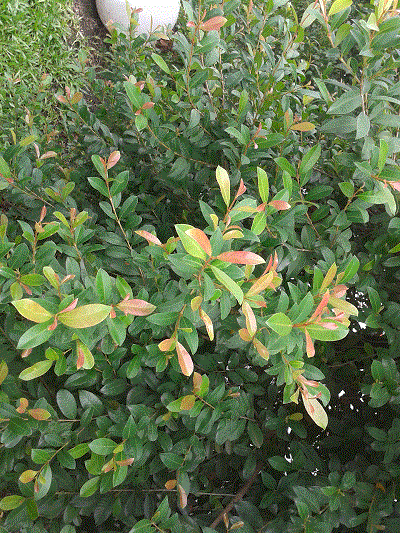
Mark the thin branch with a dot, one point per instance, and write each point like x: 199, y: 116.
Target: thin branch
x: 239, y: 495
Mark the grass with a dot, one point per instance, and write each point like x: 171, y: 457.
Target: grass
x: 37, y: 51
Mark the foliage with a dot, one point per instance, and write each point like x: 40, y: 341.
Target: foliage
x: 198, y: 286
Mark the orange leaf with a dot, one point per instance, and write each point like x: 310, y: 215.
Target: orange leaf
x: 182, y: 497
x: 185, y: 361
x: 27, y: 476
x: 39, y: 414
x: 151, y: 239
x: 251, y: 322
x: 261, y: 284
x: 187, y: 402
x: 125, y: 462
x: 167, y: 345
x: 261, y: 349
x: 197, y: 381
x: 215, y: 23
x: 279, y: 205
x: 321, y: 306
x: 148, y: 105
x: 113, y: 159
x: 170, y: 484
x: 309, y: 344
x: 303, y: 126
x: 241, y: 258
x: 244, y: 335
x: 23, y: 404
x: 136, y: 307
x: 201, y: 238
x: 208, y: 323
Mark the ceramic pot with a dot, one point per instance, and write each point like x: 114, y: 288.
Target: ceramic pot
x: 154, y: 15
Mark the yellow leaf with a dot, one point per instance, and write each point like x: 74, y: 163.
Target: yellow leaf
x: 85, y: 316
x: 303, y: 126
x: 27, y: 476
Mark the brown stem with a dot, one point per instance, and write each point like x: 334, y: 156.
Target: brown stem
x: 239, y: 495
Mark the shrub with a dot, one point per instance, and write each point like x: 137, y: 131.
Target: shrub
x: 188, y: 306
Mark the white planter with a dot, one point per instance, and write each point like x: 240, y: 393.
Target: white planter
x: 155, y: 14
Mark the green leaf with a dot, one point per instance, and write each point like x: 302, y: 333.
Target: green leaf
x: 347, y: 188
x: 309, y: 159
x: 161, y: 63
x: 67, y: 403
x: 96, y: 160
x: 11, y: 502
x: 363, y: 125
x: 228, y: 282
x: 89, y: 487
x: 120, y: 183
x: 99, y: 185
x: 224, y: 184
x: 79, y: 450
x: 192, y: 247
x: 36, y: 370
x: 263, y: 184
x: 171, y: 460
x: 102, y: 446
x: 32, y: 310
x: 319, y: 333
x: 143, y: 526
x: 346, y: 104
x: 280, y: 323
x: 255, y: 434
x: 284, y: 164
x: 279, y: 463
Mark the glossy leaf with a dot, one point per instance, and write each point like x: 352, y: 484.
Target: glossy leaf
x: 36, y: 370
x: 84, y: 316
x: 32, y: 310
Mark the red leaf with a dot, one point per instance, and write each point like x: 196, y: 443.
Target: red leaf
x: 136, y: 307
x: 72, y: 305
x: 61, y: 99
x: 321, y: 306
x: 185, y: 361
x: 151, y: 239
x: 241, y: 258
x: 201, y: 238
x: 81, y: 358
x: 148, y: 105
x: 215, y: 23
x: 280, y: 205
x: 242, y: 189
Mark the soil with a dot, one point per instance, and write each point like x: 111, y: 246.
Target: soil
x: 90, y: 25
